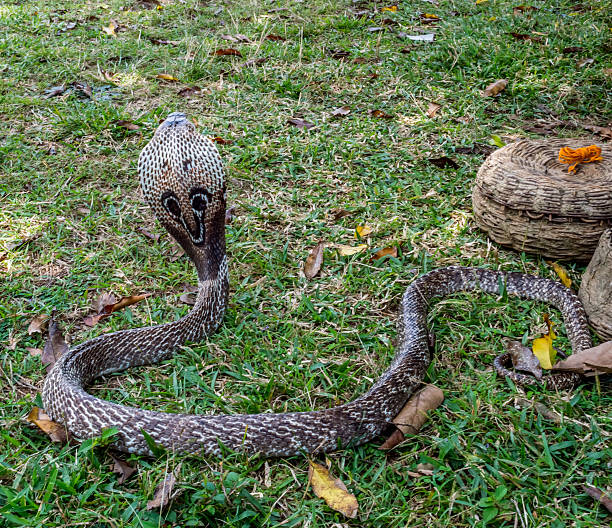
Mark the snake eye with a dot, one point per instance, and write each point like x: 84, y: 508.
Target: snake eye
x: 171, y: 204
x: 200, y: 199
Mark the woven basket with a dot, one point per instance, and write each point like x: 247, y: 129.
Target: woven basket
x: 523, y: 197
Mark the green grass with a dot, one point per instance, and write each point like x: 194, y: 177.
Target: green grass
x: 69, y: 183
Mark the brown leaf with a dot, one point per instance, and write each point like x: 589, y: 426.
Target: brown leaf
x: 521, y: 9
x: 540, y: 408
x: 163, y: 42
x: 190, y: 293
x: 572, y: 49
x: 604, y: 132
x: 341, y: 111
x: 592, y: 361
x: 338, y: 53
x: 523, y: 358
x: 148, y: 234
x: 189, y: 91
x: 275, y: 38
x: 385, y: 252
x: 495, y: 87
x: 380, y: 114
x: 432, y: 109
x: 340, y: 213
x: 414, y: 414
x: 38, y: 324
x: 127, y: 125
x: 525, y: 36
x: 108, y: 76
x: 333, y: 491
x: 54, y: 91
x: 300, y: 123
x: 584, y: 62
x: 230, y: 214
x: 221, y: 52
x: 444, y: 162
x: 104, y: 310
x: 598, y: 495
x: 236, y: 38
x: 55, y: 346
x: 34, y: 351
x: 55, y: 431
x: 255, y: 62
x: 123, y: 469
x: 163, y: 493
x: 102, y: 301
x: 313, y: 263
x: 221, y: 141
x: 84, y: 88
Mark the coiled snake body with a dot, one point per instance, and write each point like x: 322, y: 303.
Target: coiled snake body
x: 182, y: 179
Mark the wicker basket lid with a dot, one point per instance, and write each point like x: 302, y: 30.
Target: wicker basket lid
x: 528, y: 176
x: 523, y: 197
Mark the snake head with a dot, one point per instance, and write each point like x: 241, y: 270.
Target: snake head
x: 182, y: 179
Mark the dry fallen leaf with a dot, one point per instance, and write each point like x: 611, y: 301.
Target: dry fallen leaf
x: 428, y: 18
x: 542, y: 346
x: 38, y: 324
x: 495, y: 87
x: 362, y: 231
x: 414, y: 414
x: 347, y: 251
x: 110, y: 30
x: 227, y: 52
x: 523, y: 358
x: 34, y: 351
x: 257, y: 61
x: 541, y: 409
x: 300, y: 123
x: 432, y: 109
x: 166, y: 77
x: 148, y: 234
x: 341, y: 111
x: 392, y: 8
x: 276, y: 38
x: 123, y: 469
x: 385, y: 252
x: 333, y: 491
x: 313, y: 263
x: 189, y: 295
x: 584, y: 62
x: 426, y: 37
x: 220, y: 141
x: 112, y: 307
x: 592, y: 361
x: 444, y: 162
x: 562, y: 273
x: 380, y: 114
x: 55, y: 431
x: 128, y: 125
x: 55, y: 346
x: 599, y: 496
x: 340, y: 213
x: 604, y: 132
x: 189, y: 91
x: 163, y: 492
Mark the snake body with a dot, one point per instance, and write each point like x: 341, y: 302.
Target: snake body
x: 182, y: 179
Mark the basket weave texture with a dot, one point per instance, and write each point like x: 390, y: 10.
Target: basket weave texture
x: 523, y: 197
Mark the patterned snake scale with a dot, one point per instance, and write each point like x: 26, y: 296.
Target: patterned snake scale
x: 182, y: 178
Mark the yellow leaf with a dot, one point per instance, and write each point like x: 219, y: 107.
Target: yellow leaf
x: 347, y: 251
x: 550, y: 325
x: 544, y: 351
x: 56, y: 432
x: 562, y: 273
x: 333, y: 491
x: 392, y: 8
x: 430, y: 16
x: 110, y: 30
x: 166, y: 77
x: 362, y: 231
x: 481, y: 1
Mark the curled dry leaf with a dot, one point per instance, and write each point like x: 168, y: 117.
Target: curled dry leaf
x: 148, y: 234
x: 221, y: 52
x: 598, y: 495
x: 385, y: 252
x: 362, y: 231
x: 313, y: 263
x: 258, y: 61
x: 523, y: 358
x: 347, y: 251
x: 428, y: 18
x: 333, y: 491
x: 562, y: 273
x: 112, y: 307
x: 55, y: 346
x: 164, y: 491
x: 341, y: 111
x: 55, y: 431
x: 542, y: 346
x: 128, y: 125
x: 590, y: 362
x: 380, y: 114
x: 123, y: 469
x: 276, y: 38
x: 189, y: 295
x: 392, y: 8
x: 414, y: 414
x: 339, y: 213
x: 110, y: 29
x: 572, y: 49
x: 38, y: 324
x: 300, y: 123
x: 432, y: 109
x: 189, y: 91
x: 495, y: 87
x: 584, y: 62
x: 221, y: 141
x: 604, y: 132
x: 166, y: 77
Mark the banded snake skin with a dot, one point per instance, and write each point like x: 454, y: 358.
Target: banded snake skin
x: 182, y: 179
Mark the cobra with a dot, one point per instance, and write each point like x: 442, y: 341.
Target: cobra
x: 182, y: 178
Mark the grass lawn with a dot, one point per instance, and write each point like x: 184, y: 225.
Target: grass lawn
x: 72, y: 220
